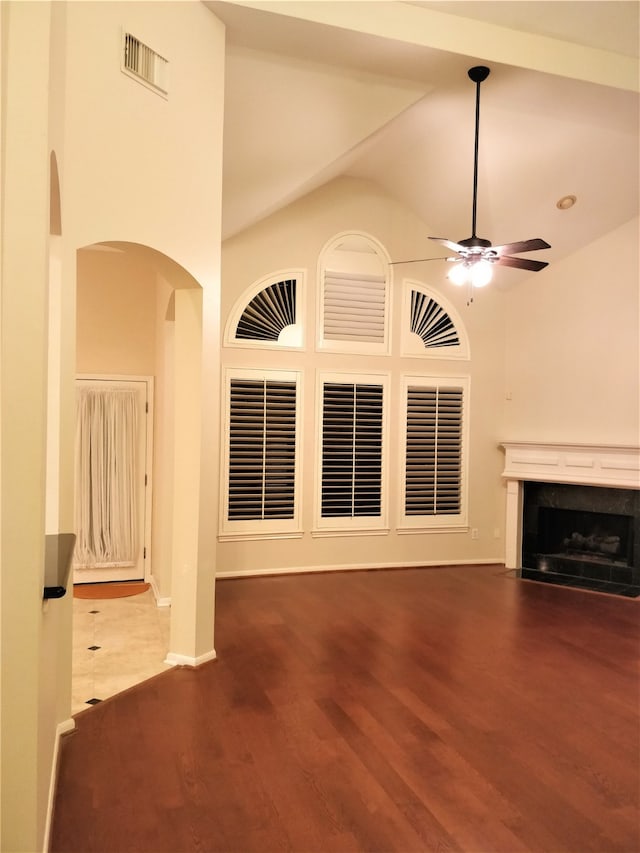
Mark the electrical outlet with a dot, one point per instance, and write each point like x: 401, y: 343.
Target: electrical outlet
x: 496, y: 532
x: 474, y: 532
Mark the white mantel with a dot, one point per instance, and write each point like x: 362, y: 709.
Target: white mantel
x: 614, y: 466
x: 591, y: 464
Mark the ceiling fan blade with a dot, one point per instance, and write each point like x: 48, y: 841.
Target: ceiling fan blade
x: 417, y: 261
x: 520, y: 263
x: 455, y: 247
x: 522, y: 246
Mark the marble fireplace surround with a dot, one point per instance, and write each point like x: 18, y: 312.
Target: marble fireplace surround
x: 615, y: 466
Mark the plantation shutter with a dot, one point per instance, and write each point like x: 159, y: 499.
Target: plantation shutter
x: 268, y: 313
x: 354, y: 307
x: 351, y: 450
x: 262, y: 443
x: 431, y: 322
x: 433, y: 480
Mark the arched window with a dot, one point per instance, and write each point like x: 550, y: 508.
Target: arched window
x: 267, y: 314
x: 354, y: 295
x: 431, y: 326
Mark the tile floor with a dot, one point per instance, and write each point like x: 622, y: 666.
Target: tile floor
x: 117, y: 643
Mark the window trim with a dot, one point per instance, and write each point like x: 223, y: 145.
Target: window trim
x: 230, y: 530
x: 241, y: 303
x: 409, y: 346
x: 358, y: 525
x: 434, y: 523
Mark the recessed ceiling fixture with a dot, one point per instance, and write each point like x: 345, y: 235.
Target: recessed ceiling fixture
x: 566, y: 202
x: 475, y: 255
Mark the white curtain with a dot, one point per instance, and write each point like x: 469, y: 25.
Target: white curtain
x: 105, y: 471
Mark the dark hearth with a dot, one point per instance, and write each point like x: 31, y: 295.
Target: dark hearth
x: 585, y: 536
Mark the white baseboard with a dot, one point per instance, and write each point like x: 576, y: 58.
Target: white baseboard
x: 185, y: 660
x: 161, y: 601
x: 295, y: 570
x: 61, y: 729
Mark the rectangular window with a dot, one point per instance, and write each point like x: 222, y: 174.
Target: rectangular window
x: 261, y: 463
x: 434, y: 457
x: 351, y: 459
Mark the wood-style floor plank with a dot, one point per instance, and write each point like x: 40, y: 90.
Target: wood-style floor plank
x: 452, y: 709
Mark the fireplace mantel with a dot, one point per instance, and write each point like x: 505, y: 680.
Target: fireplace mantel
x: 589, y: 464
x: 614, y: 466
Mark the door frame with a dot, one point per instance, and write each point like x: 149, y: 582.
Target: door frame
x: 148, y: 493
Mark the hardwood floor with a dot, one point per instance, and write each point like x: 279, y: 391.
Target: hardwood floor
x: 453, y: 709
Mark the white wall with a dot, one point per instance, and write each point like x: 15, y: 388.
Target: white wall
x: 115, y: 314
x: 29, y: 629
x: 144, y: 169
x: 133, y: 167
x: 573, y: 347
x: 137, y: 160
x: 163, y: 443
x: 293, y: 238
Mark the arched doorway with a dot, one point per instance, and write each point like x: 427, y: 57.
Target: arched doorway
x: 139, y: 314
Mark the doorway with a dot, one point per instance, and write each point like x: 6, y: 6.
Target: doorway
x: 113, y: 453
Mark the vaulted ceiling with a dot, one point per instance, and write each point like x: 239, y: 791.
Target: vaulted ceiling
x: 379, y: 90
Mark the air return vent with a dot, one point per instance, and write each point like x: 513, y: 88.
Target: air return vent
x: 144, y: 64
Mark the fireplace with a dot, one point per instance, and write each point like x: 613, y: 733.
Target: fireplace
x: 573, y: 515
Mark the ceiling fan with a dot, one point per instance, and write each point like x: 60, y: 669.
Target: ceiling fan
x: 475, y: 255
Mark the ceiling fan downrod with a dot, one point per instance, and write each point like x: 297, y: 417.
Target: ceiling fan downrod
x: 477, y: 74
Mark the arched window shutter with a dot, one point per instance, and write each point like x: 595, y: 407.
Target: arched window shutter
x: 431, y: 322
x: 354, y: 307
x: 431, y: 326
x: 268, y: 313
x: 354, y: 295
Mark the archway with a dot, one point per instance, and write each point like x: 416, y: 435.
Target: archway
x: 139, y: 313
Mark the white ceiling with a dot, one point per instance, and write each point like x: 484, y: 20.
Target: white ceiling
x: 607, y: 25
x: 308, y: 98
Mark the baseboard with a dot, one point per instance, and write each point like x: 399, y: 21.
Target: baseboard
x: 185, y: 660
x: 161, y: 601
x: 305, y: 570
x: 62, y: 728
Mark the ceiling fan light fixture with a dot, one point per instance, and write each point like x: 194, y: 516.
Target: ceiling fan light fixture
x: 477, y: 272
x: 480, y: 273
x: 459, y: 273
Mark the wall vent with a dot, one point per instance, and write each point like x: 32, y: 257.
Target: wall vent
x: 144, y: 64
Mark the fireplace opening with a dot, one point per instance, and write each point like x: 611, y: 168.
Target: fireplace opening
x: 582, y: 535
x: 576, y: 535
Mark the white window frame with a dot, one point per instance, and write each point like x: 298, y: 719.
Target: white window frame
x: 412, y: 345
x: 359, y: 525
x: 294, y: 338
x: 353, y: 347
x: 432, y: 523
x: 230, y: 530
